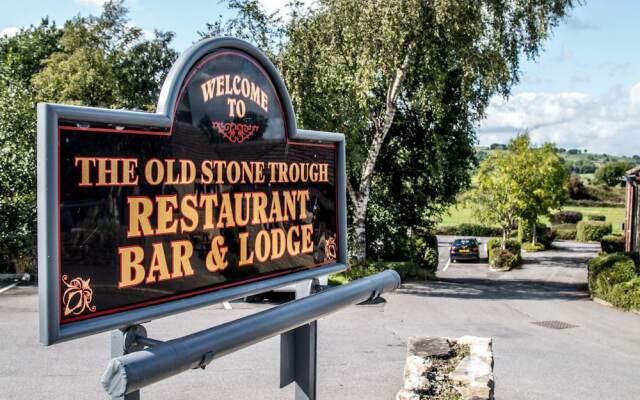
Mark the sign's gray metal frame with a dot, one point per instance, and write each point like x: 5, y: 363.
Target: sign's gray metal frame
x: 51, y: 331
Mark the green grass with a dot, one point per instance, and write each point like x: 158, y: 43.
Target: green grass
x: 459, y: 214
x: 615, y: 215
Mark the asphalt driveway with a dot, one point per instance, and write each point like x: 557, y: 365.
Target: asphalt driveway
x: 362, y: 348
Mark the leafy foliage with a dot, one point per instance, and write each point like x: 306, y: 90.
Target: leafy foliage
x: 519, y: 184
x: 544, y: 235
x: 503, y: 259
x: 513, y: 246
x: 425, y: 70
x: 17, y: 174
x: 576, y: 188
x: 592, y: 231
x: 565, y: 231
x: 97, y: 61
x: 567, y: 217
x: 609, y: 174
x: 612, y: 243
x: 626, y: 294
x: 105, y: 62
x: 613, y: 277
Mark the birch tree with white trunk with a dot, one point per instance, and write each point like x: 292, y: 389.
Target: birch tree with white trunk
x: 352, y: 66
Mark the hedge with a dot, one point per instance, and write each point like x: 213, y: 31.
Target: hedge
x: 567, y: 234
x: 612, y: 243
x: 613, y: 277
x: 565, y: 231
x: 593, y: 203
x: 626, y: 295
x: 512, y: 245
x: 598, y: 264
x: 470, y: 230
x: 566, y: 217
x: 592, y: 231
x: 596, y: 217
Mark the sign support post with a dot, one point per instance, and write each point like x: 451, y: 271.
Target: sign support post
x: 125, y: 341
x: 298, y: 350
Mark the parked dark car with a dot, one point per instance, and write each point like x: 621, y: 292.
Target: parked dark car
x: 465, y: 249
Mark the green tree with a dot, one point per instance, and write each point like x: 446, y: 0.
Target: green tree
x: 105, y: 62
x: 610, y: 174
x: 97, y: 61
x: 520, y: 184
x: 21, y: 57
x: 17, y: 174
x: 354, y: 67
x: 544, y: 179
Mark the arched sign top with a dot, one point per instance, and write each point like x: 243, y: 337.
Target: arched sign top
x: 228, y: 87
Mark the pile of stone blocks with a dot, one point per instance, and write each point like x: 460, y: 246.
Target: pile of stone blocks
x: 472, y: 378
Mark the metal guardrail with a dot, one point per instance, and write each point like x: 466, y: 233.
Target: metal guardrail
x: 131, y: 372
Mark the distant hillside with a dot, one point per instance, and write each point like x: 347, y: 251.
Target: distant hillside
x: 578, y: 160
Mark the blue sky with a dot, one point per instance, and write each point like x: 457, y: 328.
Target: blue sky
x: 582, y: 91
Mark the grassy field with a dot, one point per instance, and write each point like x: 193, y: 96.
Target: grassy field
x: 458, y: 215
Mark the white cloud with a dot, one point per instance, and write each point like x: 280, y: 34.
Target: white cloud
x: 634, y: 98
x: 9, y: 31
x: 609, y: 123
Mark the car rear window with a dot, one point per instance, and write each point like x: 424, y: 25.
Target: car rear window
x: 465, y: 242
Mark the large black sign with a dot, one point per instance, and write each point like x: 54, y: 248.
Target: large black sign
x: 220, y: 197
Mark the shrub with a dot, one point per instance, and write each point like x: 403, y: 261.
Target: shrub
x: 601, y: 263
x: 512, y: 245
x: 596, y: 217
x: 503, y: 259
x: 592, y: 231
x: 404, y: 268
x: 619, y: 272
x: 566, y: 234
x: 612, y: 243
x: 532, y: 247
x: 424, y: 248
x: 626, y: 295
x: 430, y: 259
x: 566, y: 217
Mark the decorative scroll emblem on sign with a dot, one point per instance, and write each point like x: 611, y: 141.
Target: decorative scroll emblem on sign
x: 235, y: 133
x: 330, y: 249
x: 77, y: 296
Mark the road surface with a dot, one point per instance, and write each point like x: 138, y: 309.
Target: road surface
x: 362, y: 348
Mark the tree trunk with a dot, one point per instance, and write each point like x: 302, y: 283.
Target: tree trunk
x: 505, y: 233
x: 360, y: 229
x: 360, y: 198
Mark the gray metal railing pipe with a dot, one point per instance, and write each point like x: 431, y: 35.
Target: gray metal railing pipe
x: 136, y: 370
